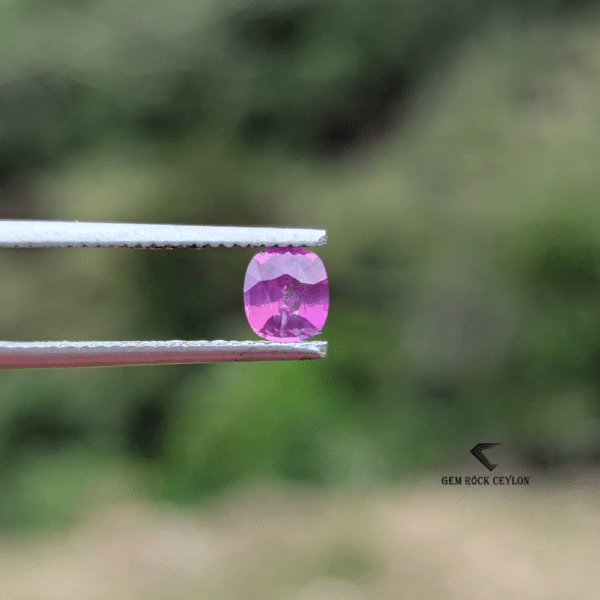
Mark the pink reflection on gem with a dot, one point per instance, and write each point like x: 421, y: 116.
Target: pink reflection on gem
x: 286, y: 294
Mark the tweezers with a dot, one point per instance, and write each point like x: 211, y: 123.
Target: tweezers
x: 71, y: 234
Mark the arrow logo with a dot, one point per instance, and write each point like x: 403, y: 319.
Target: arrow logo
x: 477, y: 452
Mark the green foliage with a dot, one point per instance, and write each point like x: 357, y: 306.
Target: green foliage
x: 255, y: 420
x: 306, y: 75
x: 50, y: 490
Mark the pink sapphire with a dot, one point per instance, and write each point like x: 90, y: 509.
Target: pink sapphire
x: 286, y: 294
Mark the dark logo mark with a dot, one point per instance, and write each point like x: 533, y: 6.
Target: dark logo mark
x: 477, y: 452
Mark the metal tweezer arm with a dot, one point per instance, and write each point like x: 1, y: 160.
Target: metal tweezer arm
x: 64, y: 234
x: 68, y: 234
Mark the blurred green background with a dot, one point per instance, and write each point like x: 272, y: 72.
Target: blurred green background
x: 449, y: 147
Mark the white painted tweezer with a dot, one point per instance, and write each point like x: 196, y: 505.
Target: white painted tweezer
x: 67, y: 234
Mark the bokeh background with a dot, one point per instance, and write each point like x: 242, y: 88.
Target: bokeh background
x: 451, y: 149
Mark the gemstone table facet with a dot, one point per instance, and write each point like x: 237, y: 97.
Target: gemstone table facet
x: 286, y: 294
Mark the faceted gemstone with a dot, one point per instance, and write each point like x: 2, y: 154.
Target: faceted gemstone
x: 286, y: 294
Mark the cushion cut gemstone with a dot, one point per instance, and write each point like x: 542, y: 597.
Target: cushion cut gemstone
x: 286, y: 294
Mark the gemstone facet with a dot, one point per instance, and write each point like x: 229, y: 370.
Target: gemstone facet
x: 286, y: 294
